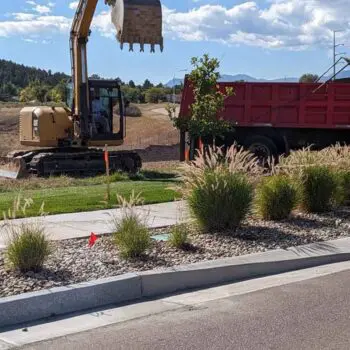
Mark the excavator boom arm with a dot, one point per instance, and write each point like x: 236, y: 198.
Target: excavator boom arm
x: 78, y: 42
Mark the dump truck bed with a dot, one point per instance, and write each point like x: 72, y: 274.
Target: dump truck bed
x: 282, y: 105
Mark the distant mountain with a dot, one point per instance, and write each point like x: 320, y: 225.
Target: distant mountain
x: 174, y: 82
x: 228, y: 78
x: 343, y: 74
x: 250, y: 79
x: 238, y: 77
x: 285, y: 80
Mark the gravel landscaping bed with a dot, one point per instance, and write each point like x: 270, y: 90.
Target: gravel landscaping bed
x: 73, y: 261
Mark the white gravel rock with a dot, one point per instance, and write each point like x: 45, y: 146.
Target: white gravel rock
x: 73, y: 261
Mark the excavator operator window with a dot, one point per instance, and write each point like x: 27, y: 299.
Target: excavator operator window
x: 102, y: 103
x: 70, y: 95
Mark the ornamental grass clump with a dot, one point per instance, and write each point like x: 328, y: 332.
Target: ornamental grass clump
x: 318, y: 188
x: 317, y: 176
x: 131, y: 234
x: 275, y: 198
x: 217, y: 187
x: 179, y: 236
x: 343, y: 188
x: 28, y: 246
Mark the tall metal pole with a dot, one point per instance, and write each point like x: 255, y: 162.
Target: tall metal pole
x: 335, y: 53
x: 174, y: 90
x: 334, y: 48
x: 174, y: 84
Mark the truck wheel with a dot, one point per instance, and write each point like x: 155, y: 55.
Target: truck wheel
x: 263, y: 147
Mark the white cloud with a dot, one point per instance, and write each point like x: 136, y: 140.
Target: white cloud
x: 42, y: 9
x: 73, y: 5
x: 20, y: 16
x: 294, y: 24
x: 37, y: 25
x: 36, y: 41
x: 103, y: 24
x: 291, y: 24
x: 31, y: 41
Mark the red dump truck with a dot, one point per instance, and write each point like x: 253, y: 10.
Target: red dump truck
x: 272, y: 118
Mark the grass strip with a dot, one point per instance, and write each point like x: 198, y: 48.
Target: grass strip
x: 87, y: 198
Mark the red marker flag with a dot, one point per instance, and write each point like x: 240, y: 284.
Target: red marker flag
x: 92, y: 240
x: 201, y: 145
x: 106, y: 156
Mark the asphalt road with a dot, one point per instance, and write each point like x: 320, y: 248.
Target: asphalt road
x: 312, y: 314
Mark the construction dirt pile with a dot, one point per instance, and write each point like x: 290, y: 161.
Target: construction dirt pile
x: 9, y: 125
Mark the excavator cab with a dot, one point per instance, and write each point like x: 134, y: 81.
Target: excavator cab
x: 104, y: 96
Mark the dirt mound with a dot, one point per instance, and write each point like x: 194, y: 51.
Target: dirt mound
x: 131, y: 111
x: 159, y: 153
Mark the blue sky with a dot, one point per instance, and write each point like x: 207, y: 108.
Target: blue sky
x: 263, y: 38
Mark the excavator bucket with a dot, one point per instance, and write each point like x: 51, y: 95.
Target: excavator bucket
x: 138, y: 22
x: 13, y: 168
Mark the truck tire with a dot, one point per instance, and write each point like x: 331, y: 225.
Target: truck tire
x: 263, y: 147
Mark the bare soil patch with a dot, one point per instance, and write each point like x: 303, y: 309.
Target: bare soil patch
x: 153, y: 128
x: 9, y: 124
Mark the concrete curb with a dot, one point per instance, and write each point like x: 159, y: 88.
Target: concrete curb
x: 58, y: 301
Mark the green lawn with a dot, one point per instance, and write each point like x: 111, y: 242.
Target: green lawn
x: 86, y: 198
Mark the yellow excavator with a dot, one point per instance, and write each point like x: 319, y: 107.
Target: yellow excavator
x: 64, y: 136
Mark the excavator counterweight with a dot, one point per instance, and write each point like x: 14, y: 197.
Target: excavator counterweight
x: 138, y: 22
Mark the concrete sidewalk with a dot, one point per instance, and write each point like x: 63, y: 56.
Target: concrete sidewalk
x: 78, y: 225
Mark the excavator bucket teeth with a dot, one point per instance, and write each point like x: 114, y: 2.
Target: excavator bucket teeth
x: 138, y: 22
x: 12, y: 168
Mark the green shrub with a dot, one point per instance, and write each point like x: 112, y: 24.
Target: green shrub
x: 117, y: 177
x: 131, y: 236
x: 137, y: 177
x: 28, y: 247
x: 342, y: 195
x: 179, y: 236
x: 318, y: 188
x: 346, y: 185
x: 275, y: 198
x: 220, y: 200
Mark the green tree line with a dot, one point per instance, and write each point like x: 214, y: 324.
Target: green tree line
x: 33, y: 84
x: 29, y: 83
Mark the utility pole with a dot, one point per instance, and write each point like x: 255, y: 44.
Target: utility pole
x: 174, y: 84
x: 335, y: 45
x: 174, y: 90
